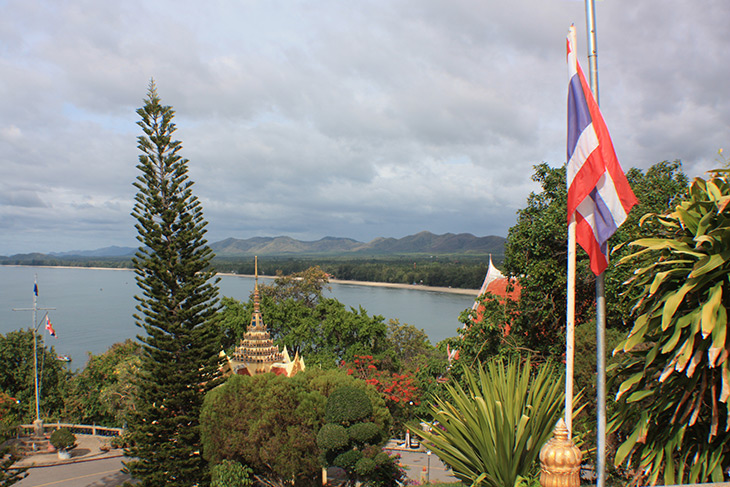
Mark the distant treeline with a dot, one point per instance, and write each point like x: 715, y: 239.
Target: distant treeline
x: 465, y: 272
x: 453, y: 271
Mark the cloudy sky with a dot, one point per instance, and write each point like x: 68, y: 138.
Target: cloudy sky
x: 336, y: 118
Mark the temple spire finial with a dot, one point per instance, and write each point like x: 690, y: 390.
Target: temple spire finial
x: 256, y: 296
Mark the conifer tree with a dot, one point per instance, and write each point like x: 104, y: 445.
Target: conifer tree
x: 177, y: 310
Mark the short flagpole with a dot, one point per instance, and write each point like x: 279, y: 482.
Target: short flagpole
x: 600, y: 280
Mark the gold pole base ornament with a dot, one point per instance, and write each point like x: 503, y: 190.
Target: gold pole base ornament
x: 560, y: 460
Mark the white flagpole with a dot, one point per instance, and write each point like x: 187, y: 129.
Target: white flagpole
x: 570, y: 327
x: 600, y: 281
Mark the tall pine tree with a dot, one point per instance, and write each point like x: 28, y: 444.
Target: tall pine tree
x: 177, y: 310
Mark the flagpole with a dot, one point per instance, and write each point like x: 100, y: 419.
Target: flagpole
x: 35, y: 327
x: 600, y: 279
x: 570, y: 328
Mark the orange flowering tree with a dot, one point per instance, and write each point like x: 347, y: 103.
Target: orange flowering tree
x: 400, y: 391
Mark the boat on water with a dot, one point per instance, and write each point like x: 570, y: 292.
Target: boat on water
x: 63, y: 358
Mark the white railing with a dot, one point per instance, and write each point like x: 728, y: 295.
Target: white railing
x: 80, y: 429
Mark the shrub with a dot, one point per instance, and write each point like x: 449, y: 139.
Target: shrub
x: 347, y: 405
x: 365, y: 467
x: 332, y: 437
x: 492, y: 430
x: 362, y: 433
x: 63, y: 439
x: 347, y: 460
x: 231, y: 474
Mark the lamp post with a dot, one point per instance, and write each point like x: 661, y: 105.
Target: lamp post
x: 37, y: 424
x: 428, y: 472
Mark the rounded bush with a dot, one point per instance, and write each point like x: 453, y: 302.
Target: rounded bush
x: 332, y: 437
x: 363, y: 433
x: 63, y: 439
x: 347, y: 460
x: 365, y: 467
x: 348, y: 405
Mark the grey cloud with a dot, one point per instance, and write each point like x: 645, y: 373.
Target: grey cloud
x: 338, y: 118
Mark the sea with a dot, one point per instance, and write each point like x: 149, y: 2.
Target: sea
x: 91, y: 309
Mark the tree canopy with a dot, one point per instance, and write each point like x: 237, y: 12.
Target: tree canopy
x: 270, y: 423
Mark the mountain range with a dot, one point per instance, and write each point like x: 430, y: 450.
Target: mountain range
x: 420, y: 243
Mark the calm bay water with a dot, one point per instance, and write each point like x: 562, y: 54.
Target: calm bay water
x: 94, y: 307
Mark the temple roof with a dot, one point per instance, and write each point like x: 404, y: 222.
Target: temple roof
x: 256, y: 345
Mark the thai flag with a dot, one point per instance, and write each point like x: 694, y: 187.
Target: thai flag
x: 599, y: 196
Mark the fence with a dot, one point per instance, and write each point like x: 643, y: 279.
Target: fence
x: 81, y: 429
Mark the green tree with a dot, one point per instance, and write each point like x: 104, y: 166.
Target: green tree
x: 305, y: 287
x: 411, y: 349
x: 103, y: 392
x: 675, y: 375
x: 270, y: 423
x: 17, y: 375
x: 177, y: 310
x: 536, y: 253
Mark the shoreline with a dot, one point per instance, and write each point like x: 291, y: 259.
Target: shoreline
x: 395, y: 285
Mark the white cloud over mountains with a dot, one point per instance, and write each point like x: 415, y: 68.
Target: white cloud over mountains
x: 351, y: 119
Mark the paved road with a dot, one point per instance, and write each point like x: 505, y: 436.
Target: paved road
x: 96, y: 473
x: 416, y: 461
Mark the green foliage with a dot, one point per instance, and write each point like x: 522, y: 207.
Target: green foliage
x: 536, y: 251
x: 274, y: 424
x: 305, y: 287
x: 177, y: 309
x: 327, y: 381
x: 360, y: 455
x: 365, y: 433
x: 347, y: 460
x: 320, y: 329
x: 63, y: 439
x: 17, y: 375
x: 365, y: 467
x: 491, y: 432
x: 409, y: 347
x: 584, y: 376
x: 675, y: 374
x: 9, y: 416
x: 231, y: 474
x: 103, y: 392
x: 10, y: 474
x: 332, y: 437
x: 348, y: 405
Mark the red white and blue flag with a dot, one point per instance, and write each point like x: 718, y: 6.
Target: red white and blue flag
x: 599, y: 196
x: 49, y: 327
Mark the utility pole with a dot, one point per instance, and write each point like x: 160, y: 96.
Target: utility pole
x: 37, y: 424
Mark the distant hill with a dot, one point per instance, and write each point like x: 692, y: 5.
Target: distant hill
x: 420, y: 243
x: 113, y: 251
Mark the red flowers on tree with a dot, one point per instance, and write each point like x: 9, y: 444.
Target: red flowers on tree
x: 395, y: 388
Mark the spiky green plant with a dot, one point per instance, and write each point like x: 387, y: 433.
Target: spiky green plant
x: 490, y: 433
x: 675, y: 378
